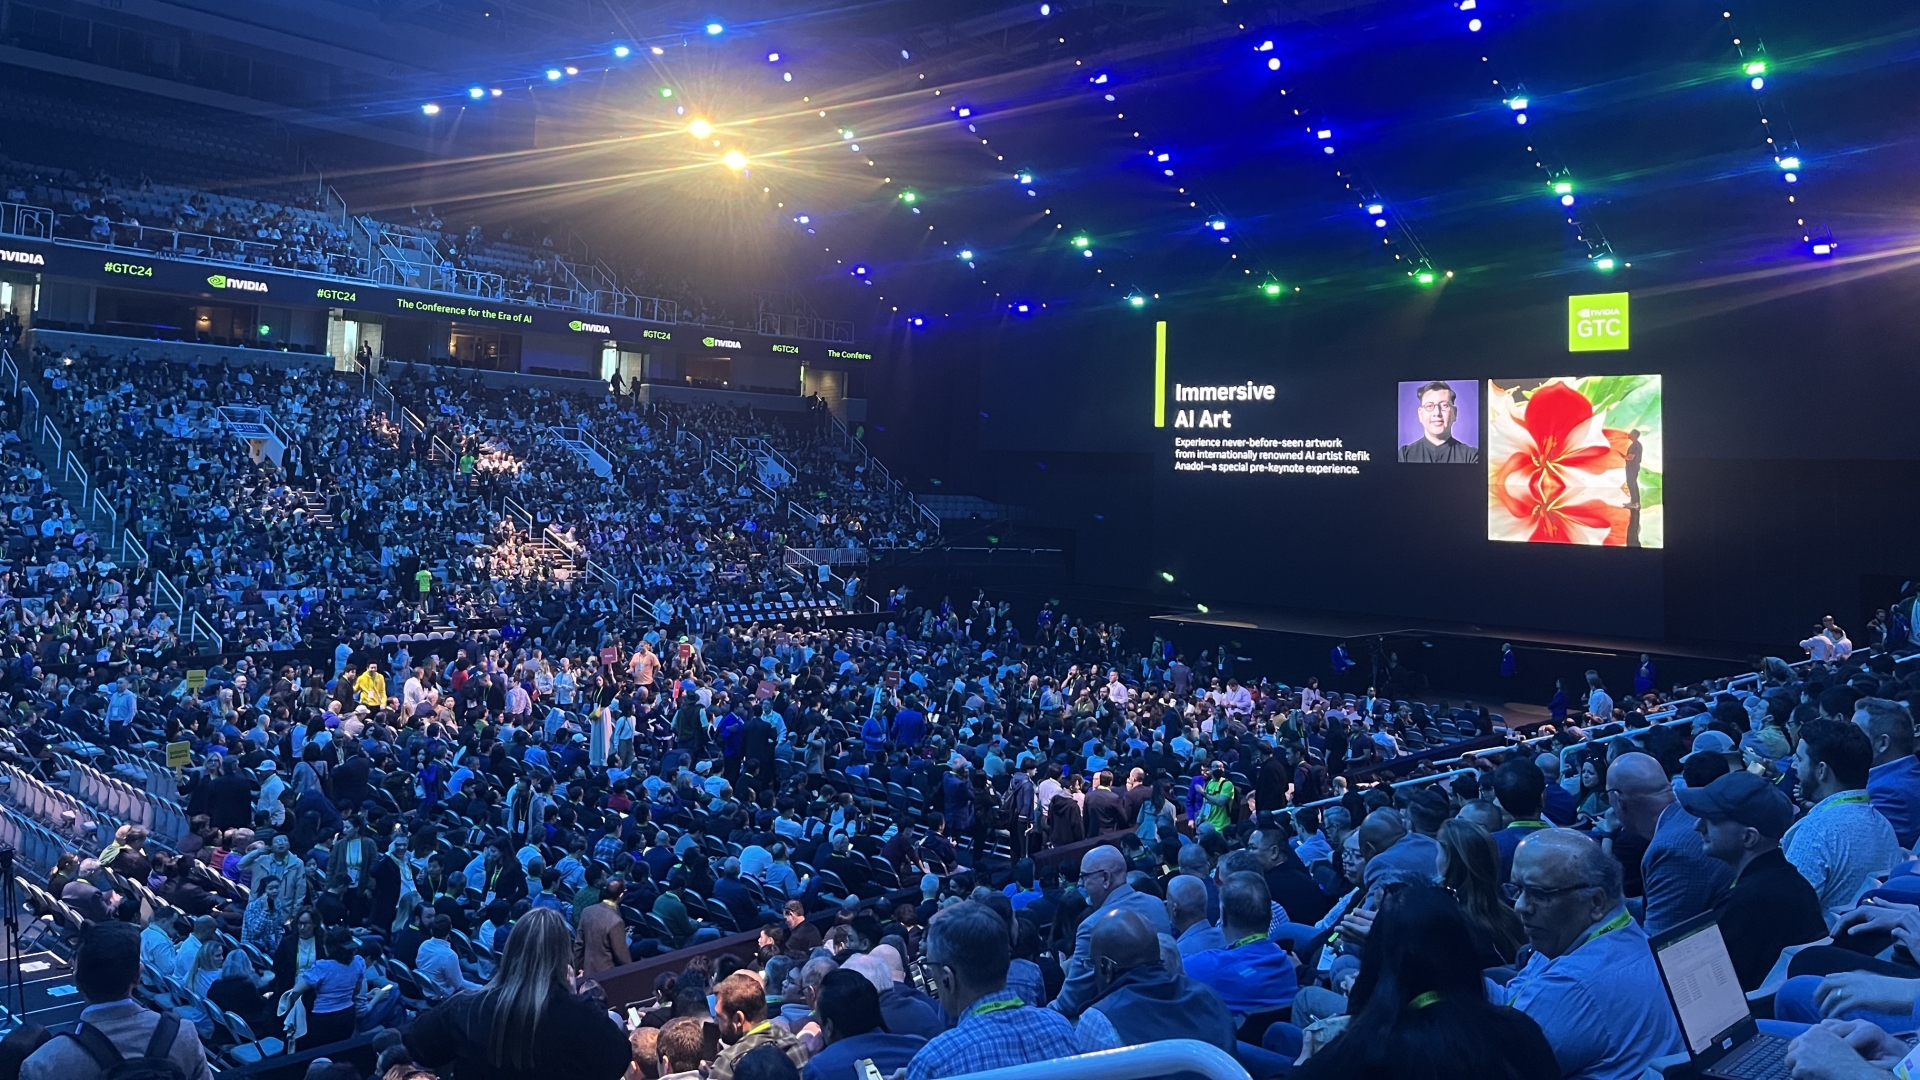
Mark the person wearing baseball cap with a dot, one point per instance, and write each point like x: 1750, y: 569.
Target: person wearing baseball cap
x: 1771, y: 905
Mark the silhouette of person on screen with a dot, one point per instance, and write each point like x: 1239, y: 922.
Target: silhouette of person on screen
x: 1438, y: 410
x: 1635, y: 452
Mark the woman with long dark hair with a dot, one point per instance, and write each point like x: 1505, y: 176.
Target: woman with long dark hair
x: 1420, y: 1008
x: 1469, y: 869
x: 527, y: 1022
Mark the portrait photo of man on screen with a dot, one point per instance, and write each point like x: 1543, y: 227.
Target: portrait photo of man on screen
x: 1443, y: 424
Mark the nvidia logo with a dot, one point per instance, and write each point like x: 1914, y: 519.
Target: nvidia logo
x: 222, y: 281
x: 574, y: 325
x: 708, y: 342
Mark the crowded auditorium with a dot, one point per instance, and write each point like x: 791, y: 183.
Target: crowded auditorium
x: 958, y: 540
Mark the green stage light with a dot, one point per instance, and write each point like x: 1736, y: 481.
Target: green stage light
x: 1564, y: 187
x: 1758, y: 67
x: 1082, y: 242
x: 1272, y: 288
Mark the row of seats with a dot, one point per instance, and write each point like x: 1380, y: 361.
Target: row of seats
x: 163, y: 818
x: 59, y: 810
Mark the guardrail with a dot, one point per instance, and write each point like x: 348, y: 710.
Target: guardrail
x: 521, y: 516
x: 131, y: 546
x: 1168, y: 1058
x: 100, y: 505
x: 70, y: 467
x: 384, y: 401
x: 167, y: 594
x: 51, y: 434
x: 199, y: 629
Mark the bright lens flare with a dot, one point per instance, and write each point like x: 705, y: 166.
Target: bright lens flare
x: 699, y: 129
x: 734, y: 159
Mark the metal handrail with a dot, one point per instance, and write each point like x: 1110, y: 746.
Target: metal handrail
x: 71, y: 464
x: 199, y: 627
x: 50, y: 433
x: 166, y: 592
x: 131, y: 545
x: 512, y: 508
x: 1164, y: 1058
x: 98, y: 505
x: 10, y: 370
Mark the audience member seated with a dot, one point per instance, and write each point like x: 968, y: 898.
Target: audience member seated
x: 1591, y: 983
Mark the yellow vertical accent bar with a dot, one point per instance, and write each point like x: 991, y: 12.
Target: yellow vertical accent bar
x: 1160, y: 374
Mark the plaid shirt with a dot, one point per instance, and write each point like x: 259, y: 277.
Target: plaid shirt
x: 992, y: 1035
x: 608, y: 847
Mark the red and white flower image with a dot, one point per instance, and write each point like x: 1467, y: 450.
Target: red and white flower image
x: 1563, y: 471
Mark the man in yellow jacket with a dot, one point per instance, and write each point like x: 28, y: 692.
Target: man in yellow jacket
x: 371, y: 687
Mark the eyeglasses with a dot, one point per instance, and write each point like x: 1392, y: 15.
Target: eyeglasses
x: 1512, y: 890
x: 1441, y: 406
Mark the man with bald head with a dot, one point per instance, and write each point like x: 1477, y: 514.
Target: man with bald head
x: 1103, y: 877
x: 1679, y: 878
x: 1193, y: 932
x: 1143, y: 1001
x: 1591, y: 983
x: 1394, y: 853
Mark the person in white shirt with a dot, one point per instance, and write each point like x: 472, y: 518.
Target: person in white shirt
x: 413, y: 693
x: 1819, y: 648
x: 1117, y: 691
x: 437, y: 964
x: 1599, y: 702
x: 157, y: 949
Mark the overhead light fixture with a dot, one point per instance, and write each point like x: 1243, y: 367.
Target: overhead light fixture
x: 1272, y: 288
x: 622, y: 51
x: 714, y: 29
x: 1217, y: 224
x: 1757, y: 83
x: 476, y: 92
x: 571, y: 70
x: 1474, y: 25
x: 734, y: 159
x: 1046, y: 9
x: 966, y: 254
x: 430, y: 109
x: 658, y: 51
x: 666, y: 91
x: 700, y: 129
x: 1273, y: 64
x: 554, y: 74
x: 1757, y: 67
x: 1136, y: 300
x: 1604, y: 262
x: 1789, y: 162
x: 1563, y: 187
x: 496, y: 91
x: 1516, y: 104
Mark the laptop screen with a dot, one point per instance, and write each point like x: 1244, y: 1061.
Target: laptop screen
x: 1706, y: 992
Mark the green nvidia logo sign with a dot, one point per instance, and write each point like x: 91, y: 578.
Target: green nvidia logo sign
x: 708, y: 342
x: 574, y: 325
x: 222, y: 281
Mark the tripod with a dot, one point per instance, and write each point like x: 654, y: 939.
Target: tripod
x: 16, y: 981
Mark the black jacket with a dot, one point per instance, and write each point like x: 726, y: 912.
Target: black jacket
x: 1770, y: 907
x: 576, y: 1039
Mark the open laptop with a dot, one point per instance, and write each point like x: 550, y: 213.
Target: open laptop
x: 1720, y: 1031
